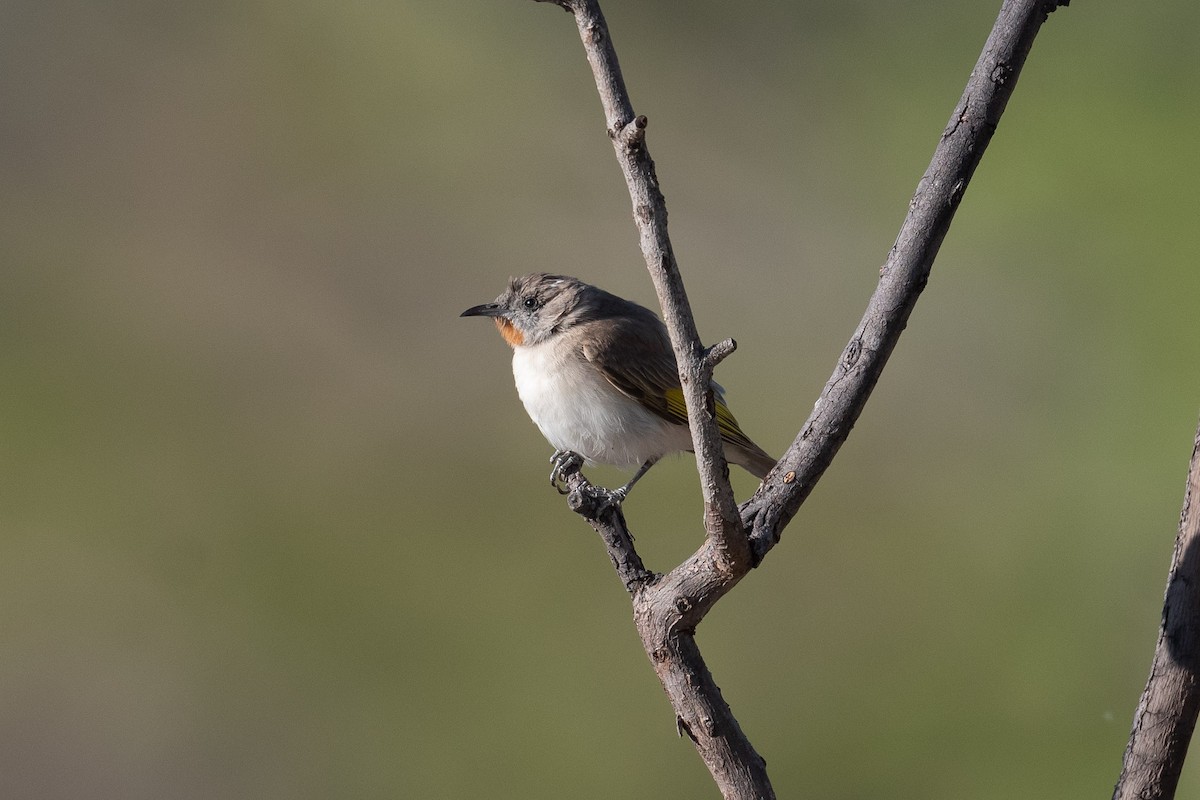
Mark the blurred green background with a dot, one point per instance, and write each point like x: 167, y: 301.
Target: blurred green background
x: 274, y: 524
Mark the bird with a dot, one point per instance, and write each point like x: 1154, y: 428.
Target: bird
x: 597, y: 375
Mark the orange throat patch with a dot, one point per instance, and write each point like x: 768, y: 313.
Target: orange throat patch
x: 509, y: 332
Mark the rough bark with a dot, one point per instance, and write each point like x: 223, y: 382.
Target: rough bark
x: 903, y: 275
x: 1166, y: 713
x: 696, y: 363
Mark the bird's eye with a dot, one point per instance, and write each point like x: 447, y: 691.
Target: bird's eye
x: 530, y: 303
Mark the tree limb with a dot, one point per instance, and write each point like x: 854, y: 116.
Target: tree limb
x: 1166, y: 713
x: 903, y: 276
x: 668, y: 608
x: 696, y: 364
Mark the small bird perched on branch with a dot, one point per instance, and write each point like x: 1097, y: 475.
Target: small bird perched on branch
x: 598, y: 377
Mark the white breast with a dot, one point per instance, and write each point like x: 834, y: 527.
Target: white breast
x: 577, y: 409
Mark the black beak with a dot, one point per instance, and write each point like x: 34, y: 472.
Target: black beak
x: 485, y: 310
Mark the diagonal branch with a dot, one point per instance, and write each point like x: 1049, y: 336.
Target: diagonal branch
x: 1166, y: 714
x: 609, y: 521
x: 904, y: 274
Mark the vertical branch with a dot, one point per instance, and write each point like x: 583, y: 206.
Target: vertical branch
x: 1166, y: 713
x: 696, y: 364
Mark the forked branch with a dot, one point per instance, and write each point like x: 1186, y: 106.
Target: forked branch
x: 668, y: 608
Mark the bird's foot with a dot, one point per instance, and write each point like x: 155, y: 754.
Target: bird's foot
x: 566, y: 462
x: 563, y: 461
x: 596, y: 498
x: 592, y: 501
x: 610, y: 497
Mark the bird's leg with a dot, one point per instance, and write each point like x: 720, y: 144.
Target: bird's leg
x: 618, y: 495
x: 562, y: 460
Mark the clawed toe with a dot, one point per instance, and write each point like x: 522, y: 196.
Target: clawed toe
x: 612, y: 497
x: 593, y: 501
x: 563, y: 461
x: 566, y: 461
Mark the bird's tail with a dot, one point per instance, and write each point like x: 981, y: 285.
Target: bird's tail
x: 739, y: 449
x: 753, y: 459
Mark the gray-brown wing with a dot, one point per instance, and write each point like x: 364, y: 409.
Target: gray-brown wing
x: 636, y: 359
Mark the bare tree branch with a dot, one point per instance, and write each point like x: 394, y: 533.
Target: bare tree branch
x: 668, y: 608
x: 1166, y: 714
x: 696, y: 364
x: 904, y: 274
x: 609, y: 521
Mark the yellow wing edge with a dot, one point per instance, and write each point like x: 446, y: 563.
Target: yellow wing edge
x: 727, y: 424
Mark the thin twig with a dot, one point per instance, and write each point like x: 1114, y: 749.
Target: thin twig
x: 628, y: 133
x: 608, y: 521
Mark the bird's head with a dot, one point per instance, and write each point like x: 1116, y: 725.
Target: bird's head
x: 535, y: 307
